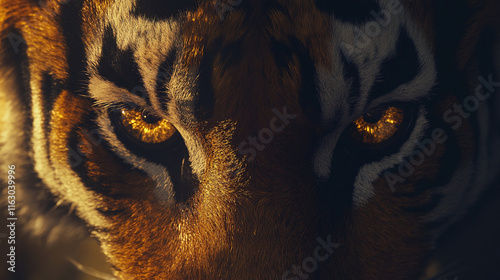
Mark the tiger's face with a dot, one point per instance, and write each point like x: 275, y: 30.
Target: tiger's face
x: 255, y: 139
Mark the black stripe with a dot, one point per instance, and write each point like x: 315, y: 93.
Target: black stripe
x: 231, y: 54
x: 51, y: 89
x: 119, y: 66
x: 164, y: 76
x: 282, y: 54
x: 352, y: 11
x: 399, y: 69
x: 110, y: 212
x: 161, y: 9
x: 335, y: 194
x: 70, y: 22
x: 308, y: 93
x: 205, y: 100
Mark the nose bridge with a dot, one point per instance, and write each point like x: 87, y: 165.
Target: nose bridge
x: 251, y: 72
x: 249, y: 84
x: 256, y: 68
x: 262, y: 97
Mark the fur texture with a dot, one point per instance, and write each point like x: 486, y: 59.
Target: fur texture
x: 263, y: 95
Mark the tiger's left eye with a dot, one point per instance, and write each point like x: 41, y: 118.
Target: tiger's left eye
x: 379, y: 126
x: 145, y: 127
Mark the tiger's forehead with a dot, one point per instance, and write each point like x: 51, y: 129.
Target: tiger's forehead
x: 258, y: 23
x: 326, y: 54
x: 206, y: 21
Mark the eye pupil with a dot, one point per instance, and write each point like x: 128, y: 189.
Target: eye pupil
x: 373, y: 117
x: 150, y: 118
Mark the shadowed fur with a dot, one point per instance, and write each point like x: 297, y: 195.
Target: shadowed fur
x: 263, y: 96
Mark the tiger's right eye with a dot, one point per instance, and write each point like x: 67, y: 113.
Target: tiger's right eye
x: 378, y: 126
x: 381, y: 127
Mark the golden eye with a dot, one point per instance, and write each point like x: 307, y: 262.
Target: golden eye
x: 378, y: 127
x: 146, y: 127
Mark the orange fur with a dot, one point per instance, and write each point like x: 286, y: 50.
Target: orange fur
x: 247, y: 220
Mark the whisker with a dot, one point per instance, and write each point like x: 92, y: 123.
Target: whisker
x: 90, y: 271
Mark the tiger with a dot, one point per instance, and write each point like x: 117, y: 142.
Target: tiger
x: 245, y: 139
